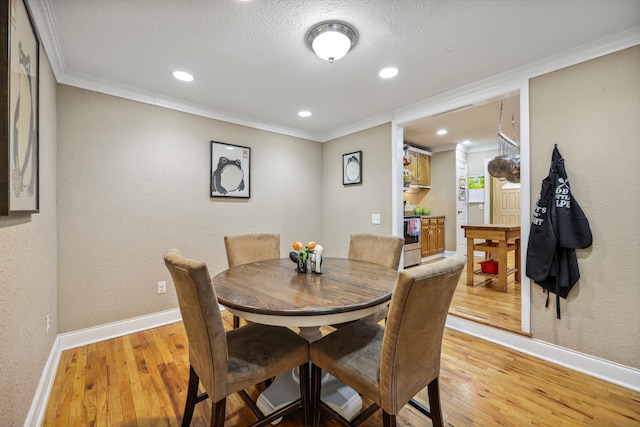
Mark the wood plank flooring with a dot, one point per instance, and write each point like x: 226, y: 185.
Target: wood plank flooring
x: 484, y: 304
x: 141, y: 380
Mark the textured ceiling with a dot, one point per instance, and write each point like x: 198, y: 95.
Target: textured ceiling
x: 251, y: 64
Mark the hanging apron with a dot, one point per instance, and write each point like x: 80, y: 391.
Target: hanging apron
x: 558, y: 228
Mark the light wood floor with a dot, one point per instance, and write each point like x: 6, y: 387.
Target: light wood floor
x: 484, y: 304
x: 141, y: 380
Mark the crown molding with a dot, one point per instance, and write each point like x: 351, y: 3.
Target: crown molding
x: 495, y: 86
x: 511, y: 81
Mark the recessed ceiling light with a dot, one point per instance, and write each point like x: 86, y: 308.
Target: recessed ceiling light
x: 442, y: 132
x: 304, y: 113
x: 182, y: 75
x: 389, y: 72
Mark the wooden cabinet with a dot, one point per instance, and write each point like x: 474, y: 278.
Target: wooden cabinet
x: 425, y: 236
x: 440, y: 235
x: 432, y: 235
x: 423, y: 176
x: 420, y: 168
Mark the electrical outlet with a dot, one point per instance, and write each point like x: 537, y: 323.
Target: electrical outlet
x: 48, y: 324
x: 162, y: 287
x: 375, y: 218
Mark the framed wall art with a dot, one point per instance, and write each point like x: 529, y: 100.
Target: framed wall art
x: 230, y: 170
x: 352, y: 168
x: 19, y: 180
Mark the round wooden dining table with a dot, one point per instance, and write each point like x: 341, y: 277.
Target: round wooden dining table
x: 271, y: 292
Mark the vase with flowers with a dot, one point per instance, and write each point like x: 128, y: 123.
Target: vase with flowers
x: 301, y: 255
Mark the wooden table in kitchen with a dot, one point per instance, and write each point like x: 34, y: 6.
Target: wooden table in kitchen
x: 499, y: 239
x: 272, y: 292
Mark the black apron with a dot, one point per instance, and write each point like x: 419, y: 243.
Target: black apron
x: 558, y: 228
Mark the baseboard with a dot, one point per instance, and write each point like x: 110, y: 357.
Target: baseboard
x: 38, y: 407
x: 117, y: 329
x: 605, y: 370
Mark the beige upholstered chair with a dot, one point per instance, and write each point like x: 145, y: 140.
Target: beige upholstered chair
x: 229, y: 362
x: 251, y: 247
x: 391, y: 364
x: 378, y: 249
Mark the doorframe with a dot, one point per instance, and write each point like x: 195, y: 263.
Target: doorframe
x: 447, y: 101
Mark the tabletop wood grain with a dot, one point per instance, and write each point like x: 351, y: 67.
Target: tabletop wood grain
x: 273, y: 287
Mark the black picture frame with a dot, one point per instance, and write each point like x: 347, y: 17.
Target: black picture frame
x: 230, y: 174
x: 19, y: 111
x: 352, y: 168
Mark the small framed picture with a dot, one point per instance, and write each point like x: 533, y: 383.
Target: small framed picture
x: 230, y: 170
x: 352, y: 168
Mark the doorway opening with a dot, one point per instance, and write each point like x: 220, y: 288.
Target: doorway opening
x: 473, y: 132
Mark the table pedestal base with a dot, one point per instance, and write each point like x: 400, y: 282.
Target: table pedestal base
x: 286, y: 388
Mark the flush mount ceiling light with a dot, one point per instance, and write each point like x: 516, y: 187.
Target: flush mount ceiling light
x: 331, y: 40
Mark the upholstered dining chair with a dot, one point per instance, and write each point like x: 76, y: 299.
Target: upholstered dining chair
x: 250, y: 247
x: 230, y: 362
x: 391, y: 364
x: 378, y: 249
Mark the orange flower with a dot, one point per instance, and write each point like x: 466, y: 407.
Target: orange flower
x: 296, y: 246
x: 311, y: 245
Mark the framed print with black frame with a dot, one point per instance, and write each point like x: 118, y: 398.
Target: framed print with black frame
x: 230, y: 170
x: 352, y: 168
x: 19, y: 105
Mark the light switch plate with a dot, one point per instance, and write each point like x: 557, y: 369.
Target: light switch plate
x: 375, y: 218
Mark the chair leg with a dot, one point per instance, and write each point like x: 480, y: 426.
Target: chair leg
x: 192, y: 397
x: 218, y: 412
x: 305, y: 393
x: 388, y: 420
x: 434, y: 403
x: 434, y: 411
x: 316, y: 384
x: 236, y: 322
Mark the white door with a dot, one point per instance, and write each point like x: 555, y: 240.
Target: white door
x: 506, y: 202
x: 461, y: 205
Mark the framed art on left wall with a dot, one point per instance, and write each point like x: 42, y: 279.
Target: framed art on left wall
x: 19, y: 105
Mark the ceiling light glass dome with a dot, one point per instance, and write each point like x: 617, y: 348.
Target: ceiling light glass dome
x: 331, y: 40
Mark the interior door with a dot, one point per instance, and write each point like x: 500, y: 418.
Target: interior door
x: 461, y: 205
x: 506, y: 202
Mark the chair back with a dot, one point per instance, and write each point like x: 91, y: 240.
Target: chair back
x: 379, y: 249
x: 415, y: 324
x: 198, y: 302
x: 251, y: 247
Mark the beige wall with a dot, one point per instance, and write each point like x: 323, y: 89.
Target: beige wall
x: 592, y: 111
x: 28, y: 276
x: 347, y: 209
x: 133, y: 181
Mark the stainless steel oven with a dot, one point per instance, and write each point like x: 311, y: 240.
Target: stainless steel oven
x: 412, y: 241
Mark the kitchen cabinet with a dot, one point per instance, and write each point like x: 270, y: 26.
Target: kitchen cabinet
x: 419, y: 168
x: 432, y: 235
